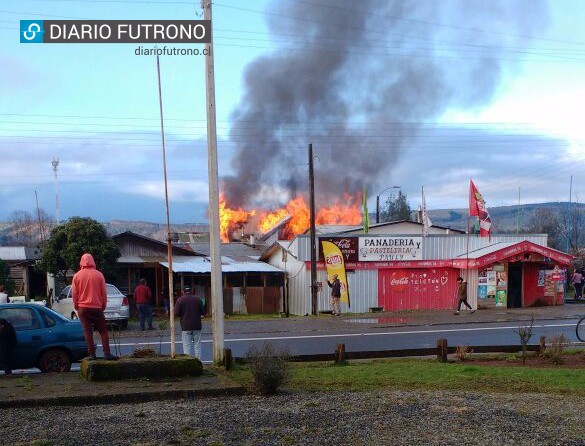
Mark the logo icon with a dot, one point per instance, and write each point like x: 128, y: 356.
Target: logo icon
x: 31, y: 31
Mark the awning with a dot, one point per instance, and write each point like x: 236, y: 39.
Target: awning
x: 501, y: 251
x: 202, y: 265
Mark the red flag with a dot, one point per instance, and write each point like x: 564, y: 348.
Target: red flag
x: 477, y: 208
x: 474, y: 199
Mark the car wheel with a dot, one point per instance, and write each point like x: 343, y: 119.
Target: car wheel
x: 55, y: 361
x: 123, y: 324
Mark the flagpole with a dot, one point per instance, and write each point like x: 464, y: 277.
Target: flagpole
x: 468, y: 227
x: 422, y: 210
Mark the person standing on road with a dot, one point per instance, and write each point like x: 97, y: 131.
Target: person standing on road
x: 189, y: 308
x: 335, y: 295
x: 578, y: 283
x: 143, y: 299
x: 462, y: 295
x: 7, y: 344
x: 89, y: 300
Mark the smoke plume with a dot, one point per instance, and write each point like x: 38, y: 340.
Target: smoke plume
x: 357, y: 80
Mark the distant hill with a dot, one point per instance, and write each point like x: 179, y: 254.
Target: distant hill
x: 156, y: 231
x: 503, y: 220
x: 503, y: 217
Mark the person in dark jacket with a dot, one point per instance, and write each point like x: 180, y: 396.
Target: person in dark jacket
x: 335, y: 286
x: 462, y: 295
x: 7, y: 344
x: 189, y: 308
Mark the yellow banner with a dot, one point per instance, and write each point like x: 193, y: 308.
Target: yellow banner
x: 335, y: 265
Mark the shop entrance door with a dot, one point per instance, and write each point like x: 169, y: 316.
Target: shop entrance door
x: 514, y: 285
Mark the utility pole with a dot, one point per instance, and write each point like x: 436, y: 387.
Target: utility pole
x: 55, y: 164
x: 41, y: 228
x: 312, y: 233
x: 569, y: 215
x: 214, y: 237
x: 169, y: 238
x: 518, y: 214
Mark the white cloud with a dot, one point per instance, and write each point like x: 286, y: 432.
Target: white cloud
x: 179, y: 190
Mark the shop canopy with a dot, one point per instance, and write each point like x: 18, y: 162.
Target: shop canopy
x: 521, y: 251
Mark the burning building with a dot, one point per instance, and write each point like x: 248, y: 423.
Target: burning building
x: 394, y: 267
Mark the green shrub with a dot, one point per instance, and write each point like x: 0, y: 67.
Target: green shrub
x: 463, y: 353
x: 555, y: 350
x: 269, y: 367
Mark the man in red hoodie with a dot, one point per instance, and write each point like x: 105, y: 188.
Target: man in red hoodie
x: 89, y: 300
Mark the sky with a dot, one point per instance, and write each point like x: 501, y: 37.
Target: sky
x: 397, y: 93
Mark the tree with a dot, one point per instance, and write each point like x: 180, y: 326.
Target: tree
x: 548, y: 221
x: 27, y: 229
x: 22, y: 228
x: 396, y: 208
x: 4, y: 280
x: 62, y: 251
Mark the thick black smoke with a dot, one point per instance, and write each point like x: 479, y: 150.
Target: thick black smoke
x: 358, y: 79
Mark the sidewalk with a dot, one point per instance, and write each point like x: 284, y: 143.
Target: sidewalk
x: 411, y: 318
x: 371, y: 321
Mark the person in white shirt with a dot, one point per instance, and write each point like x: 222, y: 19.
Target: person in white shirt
x: 3, y: 295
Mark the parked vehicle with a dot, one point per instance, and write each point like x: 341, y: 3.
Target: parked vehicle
x: 45, y: 339
x: 117, y: 309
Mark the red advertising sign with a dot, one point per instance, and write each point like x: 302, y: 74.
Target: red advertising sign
x: 428, y: 288
x: 347, y: 245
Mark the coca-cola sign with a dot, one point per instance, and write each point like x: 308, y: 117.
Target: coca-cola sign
x: 347, y: 245
x: 399, y: 281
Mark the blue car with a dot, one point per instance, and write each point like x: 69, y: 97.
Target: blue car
x: 45, y: 339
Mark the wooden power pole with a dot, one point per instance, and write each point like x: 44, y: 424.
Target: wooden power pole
x: 312, y: 233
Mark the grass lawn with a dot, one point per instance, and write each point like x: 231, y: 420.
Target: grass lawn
x: 425, y: 374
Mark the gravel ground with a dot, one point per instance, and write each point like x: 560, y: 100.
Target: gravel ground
x: 365, y: 418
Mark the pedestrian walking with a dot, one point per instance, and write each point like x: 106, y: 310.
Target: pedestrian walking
x: 89, y: 300
x: 578, y: 279
x: 462, y: 295
x: 335, y: 297
x: 7, y: 345
x: 143, y: 299
x: 189, y: 308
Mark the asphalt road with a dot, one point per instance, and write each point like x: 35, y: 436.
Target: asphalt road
x: 355, y: 335
x: 356, y: 339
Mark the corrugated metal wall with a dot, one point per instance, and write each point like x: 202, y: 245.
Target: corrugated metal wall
x: 363, y: 287
x: 472, y: 278
x: 441, y: 247
x: 363, y: 291
x: 445, y: 247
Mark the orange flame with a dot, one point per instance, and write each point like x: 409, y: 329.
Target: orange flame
x: 230, y: 219
x: 271, y: 219
x: 341, y: 214
x: 346, y: 213
x: 298, y: 210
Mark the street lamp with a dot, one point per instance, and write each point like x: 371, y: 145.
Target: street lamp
x: 378, y: 201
